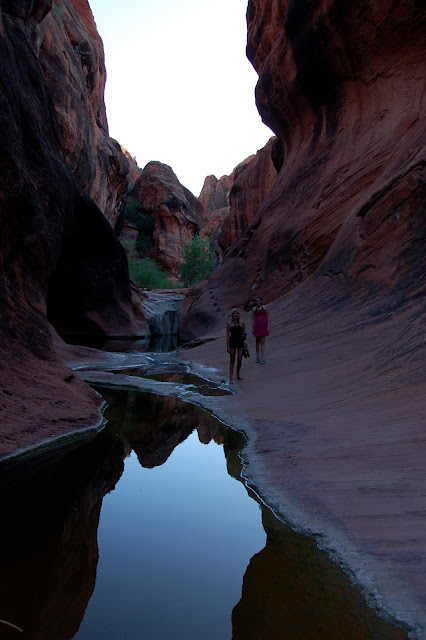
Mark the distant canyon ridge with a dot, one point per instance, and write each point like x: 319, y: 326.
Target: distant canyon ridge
x: 328, y: 215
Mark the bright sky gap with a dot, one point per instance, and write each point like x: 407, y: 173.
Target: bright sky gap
x: 179, y: 88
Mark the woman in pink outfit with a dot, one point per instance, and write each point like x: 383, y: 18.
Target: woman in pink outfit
x: 260, y: 324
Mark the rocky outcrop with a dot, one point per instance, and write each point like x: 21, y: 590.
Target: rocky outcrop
x: 346, y: 105
x: 214, y: 197
x: 175, y: 212
x: 134, y: 170
x: 252, y: 181
x: 215, y: 193
x: 71, y: 55
x: 59, y: 258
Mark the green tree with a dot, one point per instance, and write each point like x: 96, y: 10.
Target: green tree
x: 198, y: 262
x: 143, y: 221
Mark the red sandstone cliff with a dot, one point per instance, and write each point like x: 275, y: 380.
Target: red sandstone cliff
x: 251, y: 182
x: 345, y: 213
x: 214, y: 197
x: 59, y: 258
x: 176, y: 214
x: 134, y: 170
x: 71, y: 55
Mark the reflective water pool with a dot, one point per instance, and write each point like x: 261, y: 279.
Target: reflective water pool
x: 144, y: 532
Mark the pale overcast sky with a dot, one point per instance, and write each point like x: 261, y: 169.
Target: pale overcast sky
x: 179, y: 86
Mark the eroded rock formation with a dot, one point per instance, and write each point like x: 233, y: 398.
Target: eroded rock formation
x: 134, y: 169
x: 71, y: 55
x: 59, y: 257
x: 251, y: 182
x: 214, y: 197
x: 346, y: 104
x: 175, y: 211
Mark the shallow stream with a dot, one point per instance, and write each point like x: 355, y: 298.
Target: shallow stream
x: 146, y: 531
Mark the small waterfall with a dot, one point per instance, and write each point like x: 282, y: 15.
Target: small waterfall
x: 163, y: 312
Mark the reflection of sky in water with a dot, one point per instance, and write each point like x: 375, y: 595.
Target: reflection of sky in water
x: 174, y: 544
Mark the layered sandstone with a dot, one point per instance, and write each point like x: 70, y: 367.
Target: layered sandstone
x: 252, y: 181
x: 71, y: 55
x: 175, y: 211
x: 134, y: 169
x: 214, y: 197
x: 215, y: 193
x: 346, y: 106
x: 59, y: 258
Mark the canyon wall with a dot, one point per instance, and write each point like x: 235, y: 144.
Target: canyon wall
x: 171, y: 215
x: 71, y: 55
x: 251, y: 182
x: 345, y: 214
x: 59, y: 257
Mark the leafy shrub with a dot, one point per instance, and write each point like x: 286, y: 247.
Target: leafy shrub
x: 198, y: 263
x: 146, y: 272
x: 143, y: 221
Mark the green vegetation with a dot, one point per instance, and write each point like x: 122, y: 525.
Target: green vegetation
x: 146, y: 272
x: 143, y: 221
x: 199, y: 261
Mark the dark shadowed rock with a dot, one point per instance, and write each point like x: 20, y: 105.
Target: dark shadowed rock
x: 71, y: 55
x: 58, y: 255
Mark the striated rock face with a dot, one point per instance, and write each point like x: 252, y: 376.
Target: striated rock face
x: 176, y: 213
x: 346, y: 106
x: 215, y: 193
x: 214, y: 197
x: 59, y: 258
x: 251, y: 183
x: 134, y: 170
x: 72, y: 58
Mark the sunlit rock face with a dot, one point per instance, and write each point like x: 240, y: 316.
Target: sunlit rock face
x: 175, y: 211
x: 58, y: 254
x: 345, y: 102
x: 72, y: 58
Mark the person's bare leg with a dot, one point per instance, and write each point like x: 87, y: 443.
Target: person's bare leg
x: 231, y: 365
x: 240, y: 357
x: 257, y: 349
x: 262, y: 348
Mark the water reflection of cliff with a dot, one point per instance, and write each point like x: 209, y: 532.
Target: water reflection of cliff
x: 154, y: 425
x: 50, y: 507
x: 292, y: 590
x: 48, y: 540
